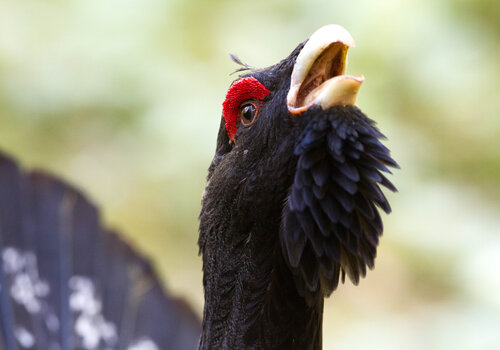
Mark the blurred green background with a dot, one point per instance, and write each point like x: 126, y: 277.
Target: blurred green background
x: 123, y: 98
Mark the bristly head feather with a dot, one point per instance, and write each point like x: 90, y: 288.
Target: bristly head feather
x: 244, y: 66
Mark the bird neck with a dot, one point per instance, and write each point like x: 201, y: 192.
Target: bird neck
x: 251, y: 301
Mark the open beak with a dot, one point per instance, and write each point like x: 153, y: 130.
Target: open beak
x: 318, y: 74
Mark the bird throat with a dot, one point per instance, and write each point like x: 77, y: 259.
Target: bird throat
x: 251, y: 301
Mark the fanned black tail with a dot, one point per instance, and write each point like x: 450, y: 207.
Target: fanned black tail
x: 68, y: 283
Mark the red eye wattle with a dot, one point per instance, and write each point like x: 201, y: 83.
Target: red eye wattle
x: 242, y: 90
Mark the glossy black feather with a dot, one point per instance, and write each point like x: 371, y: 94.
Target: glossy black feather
x: 354, y: 157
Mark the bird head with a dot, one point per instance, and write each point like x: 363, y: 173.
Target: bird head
x: 298, y: 166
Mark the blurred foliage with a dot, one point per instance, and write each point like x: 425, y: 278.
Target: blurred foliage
x: 123, y: 98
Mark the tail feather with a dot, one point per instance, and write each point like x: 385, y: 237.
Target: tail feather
x: 49, y: 203
x: 7, y: 340
x: 18, y: 282
x: 68, y: 283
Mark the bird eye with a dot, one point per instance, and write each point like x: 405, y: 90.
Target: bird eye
x: 248, y: 112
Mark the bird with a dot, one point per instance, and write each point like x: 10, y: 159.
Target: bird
x: 292, y: 201
x: 290, y: 210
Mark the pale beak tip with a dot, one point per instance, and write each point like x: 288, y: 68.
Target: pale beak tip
x: 342, y: 91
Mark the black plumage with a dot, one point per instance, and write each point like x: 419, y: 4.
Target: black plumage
x: 352, y: 196
x: 66, y: 282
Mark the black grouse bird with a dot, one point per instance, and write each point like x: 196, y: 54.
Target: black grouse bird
x: 291, y: 201
x: 290, y: 208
